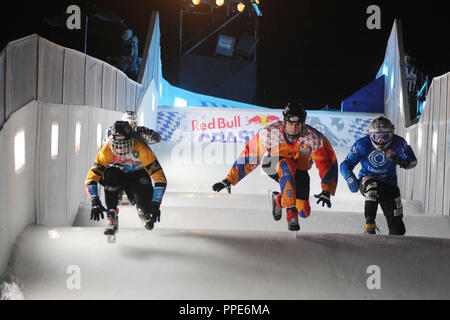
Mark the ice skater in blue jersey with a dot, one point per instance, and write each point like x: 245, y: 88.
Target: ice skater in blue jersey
x: 379, y: 154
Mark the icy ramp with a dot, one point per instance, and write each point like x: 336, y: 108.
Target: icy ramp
x: 196, y: 264
x: 238, y: 212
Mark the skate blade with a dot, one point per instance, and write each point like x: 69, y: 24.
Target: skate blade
x: 111, y: 239
x: 269, y: 193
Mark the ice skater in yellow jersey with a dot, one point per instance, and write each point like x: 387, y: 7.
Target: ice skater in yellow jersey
x: 287, y: 150
x: 126, y: 163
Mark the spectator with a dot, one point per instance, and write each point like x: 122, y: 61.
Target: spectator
x: 414, y: 81
x: 128, y: 60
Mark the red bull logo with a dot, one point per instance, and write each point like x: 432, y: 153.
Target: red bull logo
x: 216, y: 123
x: 263, y: 120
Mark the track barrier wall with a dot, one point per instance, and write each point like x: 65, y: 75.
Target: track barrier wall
x: 55, y: 106
x: 429, y: 182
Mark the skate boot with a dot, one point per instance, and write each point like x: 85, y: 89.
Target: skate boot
x: 371, y: 228
x: 276, y: 210
x: 147, y: 219
x: 113, y: 225
x: 292, y: 216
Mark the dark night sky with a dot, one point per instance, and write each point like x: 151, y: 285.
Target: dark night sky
x: 318, y: 52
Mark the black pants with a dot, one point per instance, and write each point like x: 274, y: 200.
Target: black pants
x: 389, y: 200
x: 302, y: 180
x: 137, y: 185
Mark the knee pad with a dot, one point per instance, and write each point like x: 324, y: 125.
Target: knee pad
x: 112, y: 178
x: 369, y: 187
x: 269, y: 166
x: 145, y: 181
x: 398, y: 207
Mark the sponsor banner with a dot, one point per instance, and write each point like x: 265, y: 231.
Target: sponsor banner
x: 212, y: 125
x: 197, y: 125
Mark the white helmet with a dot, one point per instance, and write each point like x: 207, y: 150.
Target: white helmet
x: 129, y: 116
x: 381, y: 131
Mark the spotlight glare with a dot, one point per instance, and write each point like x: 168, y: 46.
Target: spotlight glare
x: 195, y: 2
x: 219, y: 3
x: 240, y: 7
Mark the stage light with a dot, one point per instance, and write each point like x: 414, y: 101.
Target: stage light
x: 220, y: 3
x: 240, y: 7
x: 195, y: 2
x: 256, y: 8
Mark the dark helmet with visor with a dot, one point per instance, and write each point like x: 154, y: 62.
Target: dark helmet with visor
x: 121, y: 138
x: 381, y: 131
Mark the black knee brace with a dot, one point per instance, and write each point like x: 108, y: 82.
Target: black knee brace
x: 112, y: 178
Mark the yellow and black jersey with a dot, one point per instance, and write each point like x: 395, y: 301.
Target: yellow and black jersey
x: 140, y: 157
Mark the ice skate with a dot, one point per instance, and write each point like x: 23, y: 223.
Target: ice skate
x: 370, y: 228
x: 293, y: 225
x: 276, y: 211
x: 113, y: 226
x: 146, y: 219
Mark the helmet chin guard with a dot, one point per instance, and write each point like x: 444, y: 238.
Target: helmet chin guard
x: 122, y: 138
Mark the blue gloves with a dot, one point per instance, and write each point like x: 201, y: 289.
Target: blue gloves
x: 353, y: 183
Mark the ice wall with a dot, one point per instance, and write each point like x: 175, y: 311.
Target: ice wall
x: 429, y: 182
x: 60, y: 102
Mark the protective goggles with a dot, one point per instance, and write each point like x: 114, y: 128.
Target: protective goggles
x: 381, y: 138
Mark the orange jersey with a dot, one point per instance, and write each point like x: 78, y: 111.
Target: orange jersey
x: 140, y: 157
x: 311, y: 146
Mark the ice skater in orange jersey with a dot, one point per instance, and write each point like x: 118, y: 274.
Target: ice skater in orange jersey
x: 287, y: 150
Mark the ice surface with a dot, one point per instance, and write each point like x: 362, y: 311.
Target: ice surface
x: 221, y: 246
x: 212, y: 264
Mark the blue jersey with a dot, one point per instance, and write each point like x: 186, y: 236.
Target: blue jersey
x: 374, y: 162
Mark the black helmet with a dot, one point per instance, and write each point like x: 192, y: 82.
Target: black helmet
x: 121, y: 138
x: 294, y: 110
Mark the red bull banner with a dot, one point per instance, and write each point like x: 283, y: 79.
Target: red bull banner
x: 213, y: 125
x: 200, y: 125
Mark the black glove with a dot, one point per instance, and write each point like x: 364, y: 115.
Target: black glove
x: 403, y: 163
x: 155, y: 212
x: 223, y: 184
x: 97, y: 209
x: 324, y: 197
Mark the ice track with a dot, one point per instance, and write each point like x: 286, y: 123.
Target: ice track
x: 222, y: 252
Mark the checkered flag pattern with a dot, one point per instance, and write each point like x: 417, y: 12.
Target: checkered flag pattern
x: 168, y: 125
x: 359, y: 128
